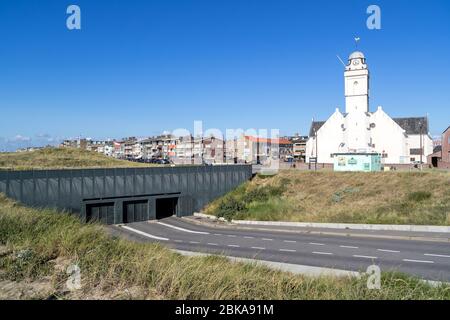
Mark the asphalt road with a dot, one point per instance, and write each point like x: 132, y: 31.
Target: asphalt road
x: 426, y: 259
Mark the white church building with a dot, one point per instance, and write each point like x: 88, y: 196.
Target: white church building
x: 359, y: 130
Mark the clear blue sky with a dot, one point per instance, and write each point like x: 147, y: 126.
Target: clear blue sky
x: 141, y: 67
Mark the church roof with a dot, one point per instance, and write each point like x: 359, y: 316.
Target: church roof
x: 315, y: 126
x: 412, y: 125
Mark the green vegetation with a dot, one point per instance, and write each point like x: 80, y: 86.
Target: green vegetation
x: 60, y: 158
x: 384, y: 197
x: 36, y: 246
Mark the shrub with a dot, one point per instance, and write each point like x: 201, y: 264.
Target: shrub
x: 419, y: 196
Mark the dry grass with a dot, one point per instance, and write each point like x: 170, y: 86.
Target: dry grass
x: 385, y: 197
x: 36, y: 246
x: 61, y: 158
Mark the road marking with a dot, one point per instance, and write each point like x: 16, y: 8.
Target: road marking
x: 258, y: 248
x: 386, y: 250
x: 349, y: 247
x: 248, y: 237
x: 145, y: 234
x: 319, y: 252
x: 212, y: 244
x: 289, y: 241
x: 217, y: 234
x: 181, y: 229
x: 287, y: 250
x: 194, y: 242
x: 234, y: 245
x: 366, y: 257
x: 419, y: 261
x: 267, y: 239
x: 231, y: 235
x: 436, y: 255
x: 316, y: 244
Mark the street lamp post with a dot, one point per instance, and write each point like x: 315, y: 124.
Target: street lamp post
x: 317, y: 153
x: 421, y: 145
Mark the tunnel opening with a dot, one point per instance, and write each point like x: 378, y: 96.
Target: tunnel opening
x: 166, y: 207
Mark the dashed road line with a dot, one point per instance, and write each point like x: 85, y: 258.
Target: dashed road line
x: 148, y: 235
x: 212, y: 244
x: 349, y: 247
x: 387, y: 250
x: 436, y: 255
x: 289, y: 241
x: 217, y: 234
x: 365, y: 257
x: 248, y: 237
x: 259, y: 248
x: 316, y: 244
x: 267, y: 239
x: 194, y: 242
x: 234, y: 245
x: 418, y: 261
x: 231, y: 235
x: 324, y: 253
x: 287, y: 250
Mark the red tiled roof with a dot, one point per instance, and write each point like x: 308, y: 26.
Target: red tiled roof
x: 268, y: 140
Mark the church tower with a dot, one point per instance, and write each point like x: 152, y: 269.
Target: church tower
x: 356, y: 134
x: 356, y: 84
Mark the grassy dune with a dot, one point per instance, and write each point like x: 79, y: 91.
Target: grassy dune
x: 36, y: 246
x: 60, y: 158
x: 385, y: 197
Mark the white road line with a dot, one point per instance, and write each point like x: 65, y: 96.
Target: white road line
x: 366, y: 257
x: 436, y: 255
x: 386, y: 250
x: 289, y: 241
x: 316, y: 244
x: 267, y: 239
x: 234, y: 245
x: 287, y: 250
x: 231, y: 235
x: 194, y: 242
x: 248, y: 237
x: 212, y: 244
x: 419, y: 261
x: 258, y: 248
x: 319, y: 252
x: 145, y: 234
x: 217, y: 234
x: 181, y: 229
x: 349, y: 247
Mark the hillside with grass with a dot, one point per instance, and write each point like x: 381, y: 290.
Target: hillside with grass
x: 60, y: 158
x: 421, y: 198
x: 37, y: 247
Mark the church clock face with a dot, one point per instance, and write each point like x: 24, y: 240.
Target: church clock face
x: 355, y: 63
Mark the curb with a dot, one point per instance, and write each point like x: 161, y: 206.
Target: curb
x: 348, y: 226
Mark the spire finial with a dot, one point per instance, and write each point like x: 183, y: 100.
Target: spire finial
x: 357, y: 39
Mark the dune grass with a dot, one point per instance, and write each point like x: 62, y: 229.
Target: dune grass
x: 61, y: 158
x: 40, y: 244
x: 421, y: 198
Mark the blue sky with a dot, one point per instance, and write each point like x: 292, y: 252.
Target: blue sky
x: 141, y: 67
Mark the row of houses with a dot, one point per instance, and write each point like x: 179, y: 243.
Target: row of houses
x: 198, y: 150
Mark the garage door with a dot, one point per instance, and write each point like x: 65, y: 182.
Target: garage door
x: 135, y: 211
x: 103, y: 212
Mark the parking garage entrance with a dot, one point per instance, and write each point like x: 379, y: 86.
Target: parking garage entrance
x: 166, y: 207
